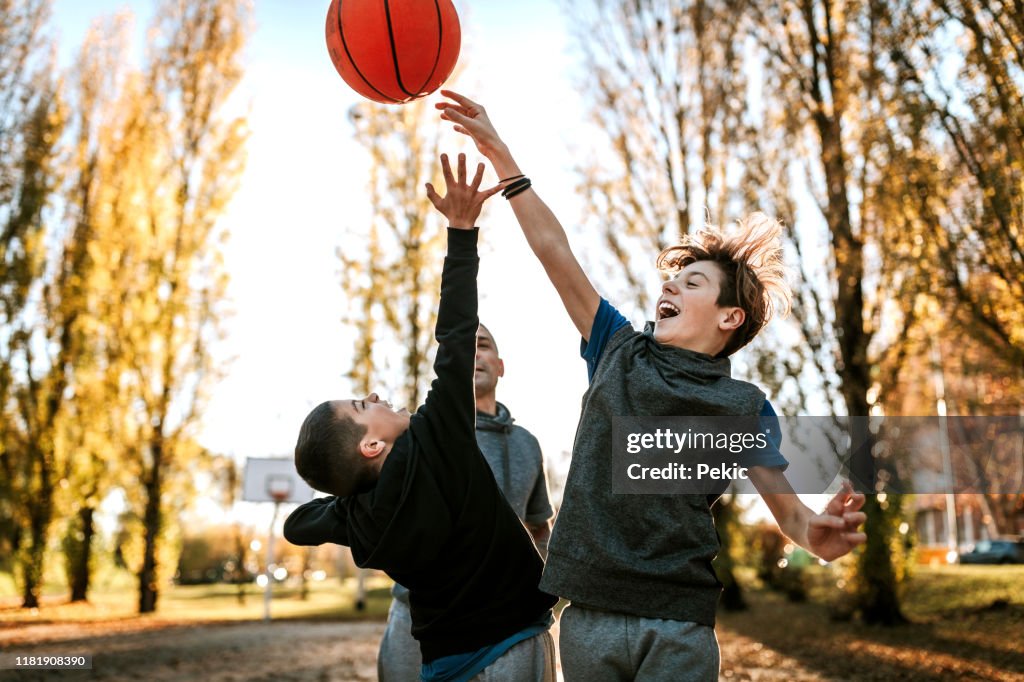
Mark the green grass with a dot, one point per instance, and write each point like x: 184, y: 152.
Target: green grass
x: 931, y: 593
x: 8, y: 588
x: 934, y: 592
x: 329, y: 600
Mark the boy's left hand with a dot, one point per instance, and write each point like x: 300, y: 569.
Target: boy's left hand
x: 462, y: 203
x: 834, y: 533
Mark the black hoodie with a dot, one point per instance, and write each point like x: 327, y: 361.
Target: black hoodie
x: 436, y: 522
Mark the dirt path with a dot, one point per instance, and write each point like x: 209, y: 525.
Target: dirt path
x: 346, y: 651
x: 747, y: 660
x: 774, y: 641
x: 285, y: 650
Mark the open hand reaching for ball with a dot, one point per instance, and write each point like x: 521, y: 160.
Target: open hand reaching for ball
x: 462, y: 203
x: 470, y: 119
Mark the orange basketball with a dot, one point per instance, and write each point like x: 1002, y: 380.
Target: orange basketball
x: 393, y: 51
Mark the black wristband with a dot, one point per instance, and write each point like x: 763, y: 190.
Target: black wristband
x: 515, y: 187
x: 514, y: 177
x: 518, y: 190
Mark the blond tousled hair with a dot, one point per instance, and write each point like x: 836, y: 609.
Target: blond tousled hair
x: 754, y: 276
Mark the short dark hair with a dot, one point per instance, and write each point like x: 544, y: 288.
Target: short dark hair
x: 327, y: 453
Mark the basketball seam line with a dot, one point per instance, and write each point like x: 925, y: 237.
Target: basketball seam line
x: 440, y: 46
x: 352, y: 61
x: 394, y: 50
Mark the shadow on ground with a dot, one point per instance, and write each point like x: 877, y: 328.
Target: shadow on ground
x: 980, y: 644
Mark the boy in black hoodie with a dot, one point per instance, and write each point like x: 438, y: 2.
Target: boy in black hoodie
x: 414, y: 497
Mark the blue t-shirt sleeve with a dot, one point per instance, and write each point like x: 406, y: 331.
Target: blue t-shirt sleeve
x: 772, y: 455
x: 607, y: 321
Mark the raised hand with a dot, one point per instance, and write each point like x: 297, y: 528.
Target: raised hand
x: 470, y: 119
x: 834, y: 532
x: 462, y: 203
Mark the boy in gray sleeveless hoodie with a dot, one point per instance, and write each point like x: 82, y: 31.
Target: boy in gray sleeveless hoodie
x: 637, y: 568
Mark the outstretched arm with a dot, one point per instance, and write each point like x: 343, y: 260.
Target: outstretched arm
x: 316, y: 522
x: 543, y: 232
x: 451, y: 400
x: 828, y: 535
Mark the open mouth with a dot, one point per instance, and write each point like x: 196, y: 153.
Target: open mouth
x: 666, y: 310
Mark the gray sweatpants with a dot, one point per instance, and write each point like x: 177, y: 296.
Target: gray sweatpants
x: 399, y: 657
x: 532, y: 660
x: 600, y: 646
x: 399, y: 660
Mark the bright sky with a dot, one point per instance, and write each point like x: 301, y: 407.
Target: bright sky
x: 304, y: 191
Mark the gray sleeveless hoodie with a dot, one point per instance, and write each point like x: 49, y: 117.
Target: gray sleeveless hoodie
x: 515, y: 458
x: 645, y: 555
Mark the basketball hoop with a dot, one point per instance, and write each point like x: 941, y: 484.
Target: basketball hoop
x: 279, y: 488
x: 267, y: 476
x: 273, y: 479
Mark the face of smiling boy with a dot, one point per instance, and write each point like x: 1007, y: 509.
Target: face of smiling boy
x: 688, y: 315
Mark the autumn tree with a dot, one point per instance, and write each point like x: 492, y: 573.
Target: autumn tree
x: 831, y: 100
x: 959, y: 69
x: 391, y: 268
x: 917, y: 110
x: 21, y: 246
x: 665, y: 85
x: 980, y: 389
x: 186, y: 153
x: 228, y: 476
x: 93, y: 433
x: 35, y: 344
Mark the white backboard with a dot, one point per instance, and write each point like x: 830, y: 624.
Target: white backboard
x: 266, y: 476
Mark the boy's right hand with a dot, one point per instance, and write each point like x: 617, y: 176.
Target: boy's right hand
x: 462, y: 202
x: 471, y: 119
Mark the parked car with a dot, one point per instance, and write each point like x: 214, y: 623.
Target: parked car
x: 995, y: 552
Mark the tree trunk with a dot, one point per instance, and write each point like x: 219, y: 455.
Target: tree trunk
x: 32, y: 560
x: 240, y: 565
x: 40, y: 515
x: 148, y: 588
x: 878, y: 598
x: 724, y: 513
x: 307, y: 560
x: 80, y: 569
